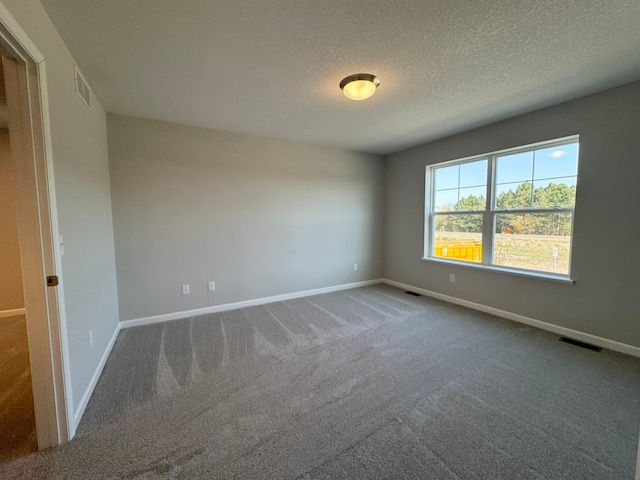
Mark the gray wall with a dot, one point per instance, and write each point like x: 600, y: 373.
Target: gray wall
x: 81, y: 168
x: 260, y: 217
x: 605, y: 299
x: 11, y: 292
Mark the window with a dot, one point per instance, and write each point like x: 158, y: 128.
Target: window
x: 511, y: 209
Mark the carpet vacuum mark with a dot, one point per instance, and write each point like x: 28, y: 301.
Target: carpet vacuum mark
x: 362, y: 383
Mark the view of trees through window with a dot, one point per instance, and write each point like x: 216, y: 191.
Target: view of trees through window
x: 531, y: 208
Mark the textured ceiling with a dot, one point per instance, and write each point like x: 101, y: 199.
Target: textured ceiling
x: 272, y: 67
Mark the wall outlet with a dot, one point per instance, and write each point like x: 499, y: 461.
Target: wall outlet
x: 211, y: 286
x: 452, y: 277
x: 90, y: 338
x: 355, y: 267
x: 185, y: 289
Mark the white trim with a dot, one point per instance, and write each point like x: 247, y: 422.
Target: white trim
x: 568, y: 332
x: 245, y: 303
x: 537, y: 274
x: 57, y: 250
x: 490, y: 212
x: 552, y: 142
x: 11, y: 313
x: 86, y: 396
x: 57, y: 429
x: 19, y: 34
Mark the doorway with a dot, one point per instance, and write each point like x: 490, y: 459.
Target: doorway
x: 17, y: 416
x: 36, y: 390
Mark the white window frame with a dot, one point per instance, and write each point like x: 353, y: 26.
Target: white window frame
x: 490, y: 212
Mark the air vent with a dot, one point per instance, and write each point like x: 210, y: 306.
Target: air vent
x: 414, y: 294
x: 82, y: 88
x: 577, y: 343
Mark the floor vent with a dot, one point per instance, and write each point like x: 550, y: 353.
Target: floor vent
x: 414, y: 294
x: 578, y: 343
x: 82, y: 89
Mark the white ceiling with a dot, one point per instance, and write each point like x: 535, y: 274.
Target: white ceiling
x: 272, y: 67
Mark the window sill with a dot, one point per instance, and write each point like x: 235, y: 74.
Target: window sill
x: 508, y: 271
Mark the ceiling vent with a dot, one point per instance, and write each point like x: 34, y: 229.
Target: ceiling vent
x: 578, y: 343
x: 82, y: 88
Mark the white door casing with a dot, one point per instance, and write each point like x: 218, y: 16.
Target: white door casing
x: 29, y: 131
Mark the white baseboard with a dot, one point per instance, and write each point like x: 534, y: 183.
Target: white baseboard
x: 86, y: 396
x: 567, y: 332
x: 575, y: 334
x: 11, y: 313
x: 246, y: 303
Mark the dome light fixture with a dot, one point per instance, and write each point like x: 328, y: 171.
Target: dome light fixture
x: 359, y: 86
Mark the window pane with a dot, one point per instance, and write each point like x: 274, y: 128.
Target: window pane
x: 556, y: 162
x: 458, y: 237
x: 445, y: 200
x: 513, y: 195
x: 514, y: 168
x: 472, y: 198
x: 473, y: 174
x: 559, y: 193
x: 447, y: 177
x: 536, y: 241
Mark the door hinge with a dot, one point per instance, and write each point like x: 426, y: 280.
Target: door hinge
x: 52, y: 281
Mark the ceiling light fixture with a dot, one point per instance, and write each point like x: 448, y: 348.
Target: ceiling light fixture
x: 359, y: 86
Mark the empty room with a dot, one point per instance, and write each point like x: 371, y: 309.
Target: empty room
x: 286, y: 239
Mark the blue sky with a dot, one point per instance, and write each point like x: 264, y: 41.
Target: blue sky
x: 468, y: 175
x: 546, y: 163
x: 544, y: 166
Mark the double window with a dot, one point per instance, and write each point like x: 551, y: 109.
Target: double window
x: 510, y: 209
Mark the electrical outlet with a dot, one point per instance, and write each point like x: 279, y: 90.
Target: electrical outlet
x: 90, y: 338
x: 452, y: 277
x: 211, y: 286
x: 355, y: 267
x: 185, y: 289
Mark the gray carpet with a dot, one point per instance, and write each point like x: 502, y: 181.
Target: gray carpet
x: 364, y: 383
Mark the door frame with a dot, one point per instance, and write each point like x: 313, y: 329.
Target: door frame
x: 47, y: 333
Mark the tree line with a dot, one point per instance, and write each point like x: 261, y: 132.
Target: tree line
x: 553, y: 195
